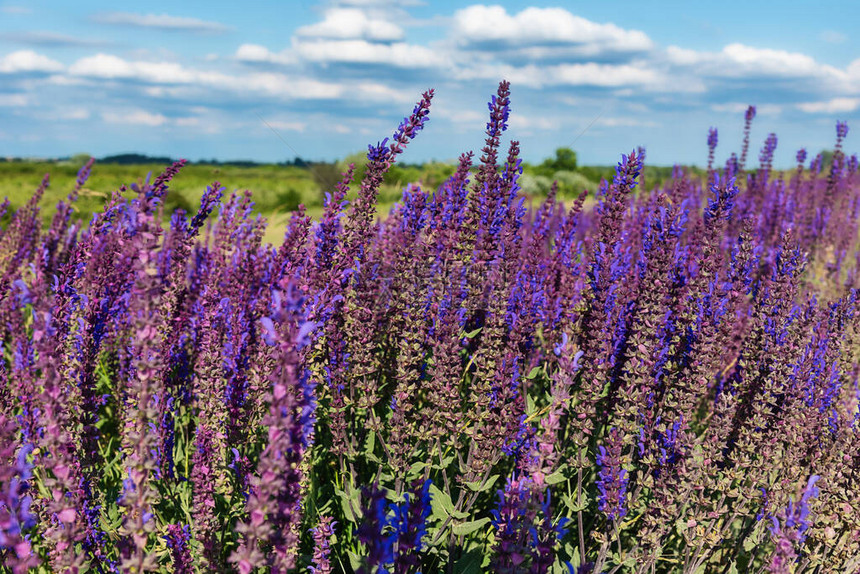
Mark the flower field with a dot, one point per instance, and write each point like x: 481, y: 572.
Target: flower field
x: 661, y: 379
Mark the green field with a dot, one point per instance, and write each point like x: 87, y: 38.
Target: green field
x: 277, y: 189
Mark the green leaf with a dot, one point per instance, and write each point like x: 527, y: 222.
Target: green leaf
x: 534, y: 372
x: 442, y: 505
x: 557, y: 476
x: 354, y: 560
x: 372, y: 457
x: 480, y: 486
x: 470, y: 562
x: 348, y: 502
x: 473, y: 334
x: 466, y: 528
x: 573, y: 552
x: 571, y: 502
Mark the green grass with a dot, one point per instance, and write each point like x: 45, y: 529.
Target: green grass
x: 277, y: 189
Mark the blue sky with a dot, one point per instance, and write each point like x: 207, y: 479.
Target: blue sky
x: 210, y: 80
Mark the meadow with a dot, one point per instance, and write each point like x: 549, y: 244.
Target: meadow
x: 487, y: 372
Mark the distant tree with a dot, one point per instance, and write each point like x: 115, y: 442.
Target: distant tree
x: 134, y: 159
x: 564, y: 160
x: 80, y: 158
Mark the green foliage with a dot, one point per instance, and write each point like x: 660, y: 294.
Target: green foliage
x: 564, y: 160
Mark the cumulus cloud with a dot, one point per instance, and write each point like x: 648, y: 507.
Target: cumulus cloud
x: 110, y: 67
x: 622, y: 122
x: 257, y: 53
x: 281, y: 86
x: 134, y: 118
x: 159, y: 21
x: 739, y: 60
x: 767, y: 61
x: 740, y: 108
x: 587, y: 74
x: 14, y: 100
x: 28, y: 61
x: 481, y: 24
x: 286, y: 125
x: 371, y: 55
x: 591, y: 74
x: 834, y: 106
x: 352, y: 23
x: 398, y: 54
x: 525, y: 122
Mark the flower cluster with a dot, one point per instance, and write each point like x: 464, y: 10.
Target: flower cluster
x: 636, y: 382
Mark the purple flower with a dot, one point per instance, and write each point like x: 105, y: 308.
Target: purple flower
x: 612, y: 479
x: 721, y: 204
x: 801, y: 157
x: 372, y: 531
x: 177, y: 537
x: 409, y: 519
x: 789, y: 528
x: 15, y: 500
x: 322, y: 534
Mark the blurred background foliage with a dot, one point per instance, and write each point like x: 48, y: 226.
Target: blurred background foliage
x: 278, y: 189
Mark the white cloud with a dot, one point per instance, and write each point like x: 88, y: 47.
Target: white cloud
x: 64, y: 113
x: 257, y: 53
x: 14, y: 100
x: 462, y: 117
x: 102, y: 66
x: 742, y: 61
x: 106, y: 66
x: 542, y: 26
x: 140, y: 117
x: 135, y: 117
x: 621, y: 122
x: 683, y: 56
x: 280, y: 85
x: 378, y: 92
x: 73, y: 114
x: 398, y: 54
x: 524, y: 122
x: 161, y: 21
x: 592, y: 74
x: 834, y: 106
x: 350, y: 23
x: 767, y: 61
x: 190, y: 122
x: 28, y: 61
x: 290, y: 126
x: 588, y: 74
x: 740, y: 108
